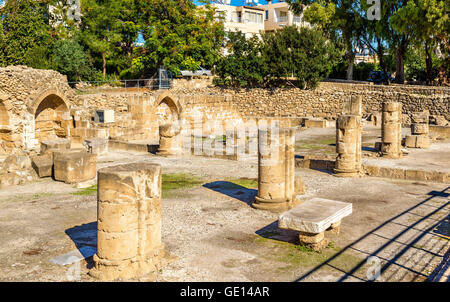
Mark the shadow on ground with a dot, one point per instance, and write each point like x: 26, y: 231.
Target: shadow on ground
x: 430, y: 241
x: 233, y: 190
x: 85, y: 239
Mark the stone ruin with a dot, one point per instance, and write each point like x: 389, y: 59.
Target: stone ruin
x: 129, y: 222
x: 348, y: 146
x: 276, y: 170
x: 391, y: 130
x: 420, y: 131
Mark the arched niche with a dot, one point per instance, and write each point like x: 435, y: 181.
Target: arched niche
x: 167, y: 110
x: 51, y: 117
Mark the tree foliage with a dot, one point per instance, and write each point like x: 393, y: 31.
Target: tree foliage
x: 304, y: 54
x: 179, y: 36
x: 25, y: 37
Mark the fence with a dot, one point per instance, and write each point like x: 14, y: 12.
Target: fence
x: 161, y: 80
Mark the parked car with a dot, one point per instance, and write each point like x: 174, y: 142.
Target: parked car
x: 380, y: 77
x: 200, y: 72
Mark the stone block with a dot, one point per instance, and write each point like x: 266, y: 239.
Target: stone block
x: 57, y: 144
x: 316, y: 123
x: 96, y: 146
x: 314, y: 216
x: 43, y: 165
x: 417, y: 141
x: 74, y: 167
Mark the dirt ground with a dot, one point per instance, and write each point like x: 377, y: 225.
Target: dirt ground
x: 213, y: 234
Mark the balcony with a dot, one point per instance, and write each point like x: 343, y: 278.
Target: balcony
x: 282, y: 19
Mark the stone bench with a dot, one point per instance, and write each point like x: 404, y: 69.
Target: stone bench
x: 313, y: 218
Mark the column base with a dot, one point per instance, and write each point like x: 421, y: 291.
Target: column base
x: 273, y: 205
x: 169, y: 152
x: 107, y: 270
x: 347, y: 173
x: 392, y: 156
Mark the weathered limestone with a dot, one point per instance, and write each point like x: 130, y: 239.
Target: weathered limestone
x: 276, y: 170
x: 315, y: 123
x: 353, y: 106
x: 391, y: 129
x: 129, y: 222
x: 169, y: 140
x: 420, y: 131
x: 417, y: 141
x: 96, y: 146
x: 313, y: 218
x: 74, y: 166
x: 57, y: 144
x: 300, y: 188
x: 348, y: 146
x: 43, y: 164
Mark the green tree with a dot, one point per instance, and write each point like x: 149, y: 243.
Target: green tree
x: 428, y: 23
x: 107, y: 29
x: 303, y: 53
x: 70, y: 59
x: 26, y: 36
x: 244, y: 65
x: 340, y: 19
x: 179, y: 35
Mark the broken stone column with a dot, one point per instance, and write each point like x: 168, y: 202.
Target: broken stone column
x: 420, y: 131
x: 276, y: 170
x: 348, y: 146
x: 169, y: 140
x: 353, y: 106
x: 129, y: 222
x: 391, y: 130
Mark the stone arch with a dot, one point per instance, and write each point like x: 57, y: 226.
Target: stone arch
x: 167, y: 109
x: 51, y: 116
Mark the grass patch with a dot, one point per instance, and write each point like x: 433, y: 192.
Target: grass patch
x: 248, y: 183
x: 295, y: 256
x: 41, y: 195
x: 87, y: 191
x: 176, y: 181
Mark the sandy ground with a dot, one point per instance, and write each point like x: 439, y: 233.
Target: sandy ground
x: 212, y: 233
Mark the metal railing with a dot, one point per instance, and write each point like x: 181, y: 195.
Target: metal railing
x: 161, y: 80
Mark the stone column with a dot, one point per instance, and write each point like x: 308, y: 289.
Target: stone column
x: 420, y: 131
x: 129, y: 221
x: 353, y: 106
x: 276, y: 170
x: 391, y: 128
x: 348, y: 146
x: 169, y: 140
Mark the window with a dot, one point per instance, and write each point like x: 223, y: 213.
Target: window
x: 251, y: 17
x: 267, y: 15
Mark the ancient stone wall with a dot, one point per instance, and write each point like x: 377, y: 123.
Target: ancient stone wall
x: 28, y: 95
x: 39, y: 104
